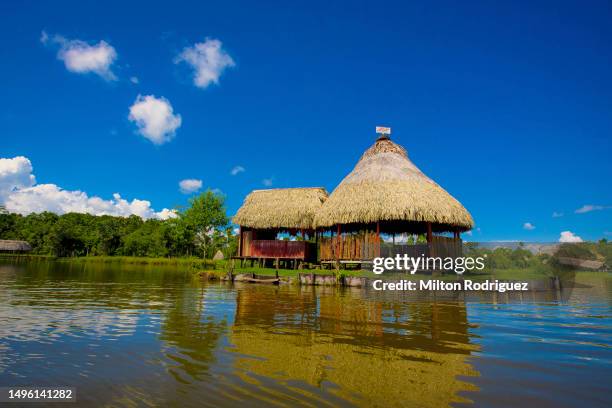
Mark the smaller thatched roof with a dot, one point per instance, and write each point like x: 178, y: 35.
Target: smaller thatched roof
x: 281, y: 208
x: 12, y: 245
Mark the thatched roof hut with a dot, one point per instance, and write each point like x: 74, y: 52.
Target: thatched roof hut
x: 386, y: 186
x: 14, y: 246
x: 281, y: 208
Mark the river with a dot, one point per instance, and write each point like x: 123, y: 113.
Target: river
x: 152, y: 336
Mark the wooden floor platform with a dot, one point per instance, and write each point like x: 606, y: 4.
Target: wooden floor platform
x: 288, y: 263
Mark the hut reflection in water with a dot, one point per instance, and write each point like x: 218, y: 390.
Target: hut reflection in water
x: 359, y: 349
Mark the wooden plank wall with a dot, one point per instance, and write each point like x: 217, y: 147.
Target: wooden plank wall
x: 279, y: 249
x: 364, y: 245
x: 349, y: 247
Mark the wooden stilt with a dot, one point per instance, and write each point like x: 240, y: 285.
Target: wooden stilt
x: 430, y: 245
x: 338, y: 235
x: 377, y: 238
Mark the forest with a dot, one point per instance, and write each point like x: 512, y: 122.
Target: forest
x: 200, y: 230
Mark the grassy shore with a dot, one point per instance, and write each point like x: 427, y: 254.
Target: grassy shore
x: 31, y: 257
x: 221, y: 267
x: 136, y: 260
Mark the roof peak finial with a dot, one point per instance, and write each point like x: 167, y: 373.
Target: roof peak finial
x: 383, y: 133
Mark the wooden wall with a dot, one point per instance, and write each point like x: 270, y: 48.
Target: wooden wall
x: 365, y: 246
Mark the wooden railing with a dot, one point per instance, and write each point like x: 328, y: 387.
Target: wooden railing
x: 282, y: 249
x: 365, y: 246
x: 412, y: 250
x: 445, y: 247
x: 348, y: 247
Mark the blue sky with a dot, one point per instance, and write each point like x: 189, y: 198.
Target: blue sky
x: 507, y: 106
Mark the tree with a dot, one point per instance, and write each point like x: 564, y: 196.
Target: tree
x: 151, y: 239
x: 205, y: 216
x: 231, y: 246
x: 37, y: 229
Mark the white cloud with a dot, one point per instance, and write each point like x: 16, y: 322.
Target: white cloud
x: 188, y: 186
x: 469, y: 233
x: 155, y: 118
x: 590, y: 207
x: 528, y: 226
x: 15, y: 173
x: 236, y: 170
x: 166, y: 214
x: 50, y: 197
x: 568, y: 236
x: 267, y: 182
x: 82, y: 58
x: 556, y: 214
x: 134, y: 80
x: 208, y: 60
x: 21, y: 194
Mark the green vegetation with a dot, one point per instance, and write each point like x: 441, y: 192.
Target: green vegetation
x: 600, y: 250
x: 198, y: 231
x: 507, y: 263
x: 190, y: 240
x: 190, y: 262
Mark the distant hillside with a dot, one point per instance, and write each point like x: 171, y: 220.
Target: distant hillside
x: 535, y: 248
x: 582, y: 255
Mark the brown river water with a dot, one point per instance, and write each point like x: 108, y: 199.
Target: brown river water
x: 149, y: 336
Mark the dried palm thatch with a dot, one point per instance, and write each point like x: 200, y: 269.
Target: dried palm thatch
x: 11, y: 245
x: 386, y: 186
x: 282, y: 208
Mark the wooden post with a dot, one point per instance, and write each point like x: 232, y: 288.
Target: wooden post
x: 338, y: 233
x: 240, y: 241
x: 377, y: 238
x: 430, y: 240
x: 317, y: 255
x: 456, y: 235
x: 458, y: 250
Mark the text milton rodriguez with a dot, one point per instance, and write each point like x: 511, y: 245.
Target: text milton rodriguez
x: 434, y: 284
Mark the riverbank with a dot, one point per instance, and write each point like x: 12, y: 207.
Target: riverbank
x: 218, y: 269
x: 128, y: 260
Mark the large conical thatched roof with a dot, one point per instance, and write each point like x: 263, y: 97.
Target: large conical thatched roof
x: 386, y: 186
x: 282, y: 208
